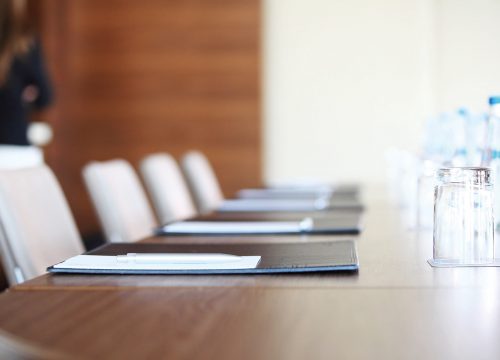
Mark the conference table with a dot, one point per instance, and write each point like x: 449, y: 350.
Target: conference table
x: 395, y: 307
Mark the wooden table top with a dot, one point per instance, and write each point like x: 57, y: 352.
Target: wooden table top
x: 395, y: 307
x: 258, y: 323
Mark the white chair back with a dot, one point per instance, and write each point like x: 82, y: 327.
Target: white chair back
x: 202, y: 181
x: 119, y: 200
x: 167, y: 187
x: 36, y: 226
x: 19, y: 157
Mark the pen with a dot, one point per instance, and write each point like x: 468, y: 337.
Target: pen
x: 173, y: 258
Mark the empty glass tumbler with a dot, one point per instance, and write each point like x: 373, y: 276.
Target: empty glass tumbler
x: 464, y: 225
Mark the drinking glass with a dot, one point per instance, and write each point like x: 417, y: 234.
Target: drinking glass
x: 464, y: 225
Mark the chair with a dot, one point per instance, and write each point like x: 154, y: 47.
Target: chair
x: 167, y: 187
x: 119, y: 200
x: 202, y: 181
x: 36, y: 226
x: 18, y: 157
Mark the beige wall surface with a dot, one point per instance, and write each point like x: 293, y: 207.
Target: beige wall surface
x: 468, y: 70
x: 345, y: 80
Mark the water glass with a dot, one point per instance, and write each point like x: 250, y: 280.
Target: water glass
x: 464, y: 225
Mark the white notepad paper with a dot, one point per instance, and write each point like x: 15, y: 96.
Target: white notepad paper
x: 310, y: 184
x: 271, y: 193
x: 101, y: 262
x: 274, y: 205
x: 238, y: 227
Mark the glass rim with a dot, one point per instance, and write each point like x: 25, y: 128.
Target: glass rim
x: 475, y: 175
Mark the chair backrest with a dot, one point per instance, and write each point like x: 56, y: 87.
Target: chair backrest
x: 119, y: 200
x: 167, y: 187
x: 36, y: 226
x: 202, y: 181
x: 19, y: 157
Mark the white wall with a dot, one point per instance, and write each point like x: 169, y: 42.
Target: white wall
x: 468, y: 70
x: 346, y: 79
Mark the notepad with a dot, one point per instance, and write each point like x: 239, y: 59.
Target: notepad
x: 301, y: 184
x: 274, y: 205
x: 277, y: 193
x: 238, y: 227
x: 289, y: 205
x: 339, y: 226
x: 102, y: 262
x: 274, y: 258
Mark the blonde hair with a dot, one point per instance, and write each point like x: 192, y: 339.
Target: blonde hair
x: 15, y: 36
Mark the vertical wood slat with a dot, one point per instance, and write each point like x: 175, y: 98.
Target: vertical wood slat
x: 135, y: 77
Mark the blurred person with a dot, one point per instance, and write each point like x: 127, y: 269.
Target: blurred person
x: 24, y: 83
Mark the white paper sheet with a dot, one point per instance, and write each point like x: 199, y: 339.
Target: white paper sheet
x: 236, y: 227
x: 277, y: 193
x: 273, y: 205
x: 311, y: 184
x: 100, y: 262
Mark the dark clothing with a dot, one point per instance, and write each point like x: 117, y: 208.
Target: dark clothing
x: 25, y: 70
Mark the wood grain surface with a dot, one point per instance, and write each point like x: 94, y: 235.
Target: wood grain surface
x: 396, y: 307
x: 136, y: 77
x: 258, y: 323
x: 390, y: 256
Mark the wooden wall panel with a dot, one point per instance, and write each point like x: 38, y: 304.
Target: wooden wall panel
x: 135, y: 77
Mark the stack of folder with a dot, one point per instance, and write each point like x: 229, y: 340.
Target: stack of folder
x: 339, y: 225
x: 265, y: 212
x: 254, y: 259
